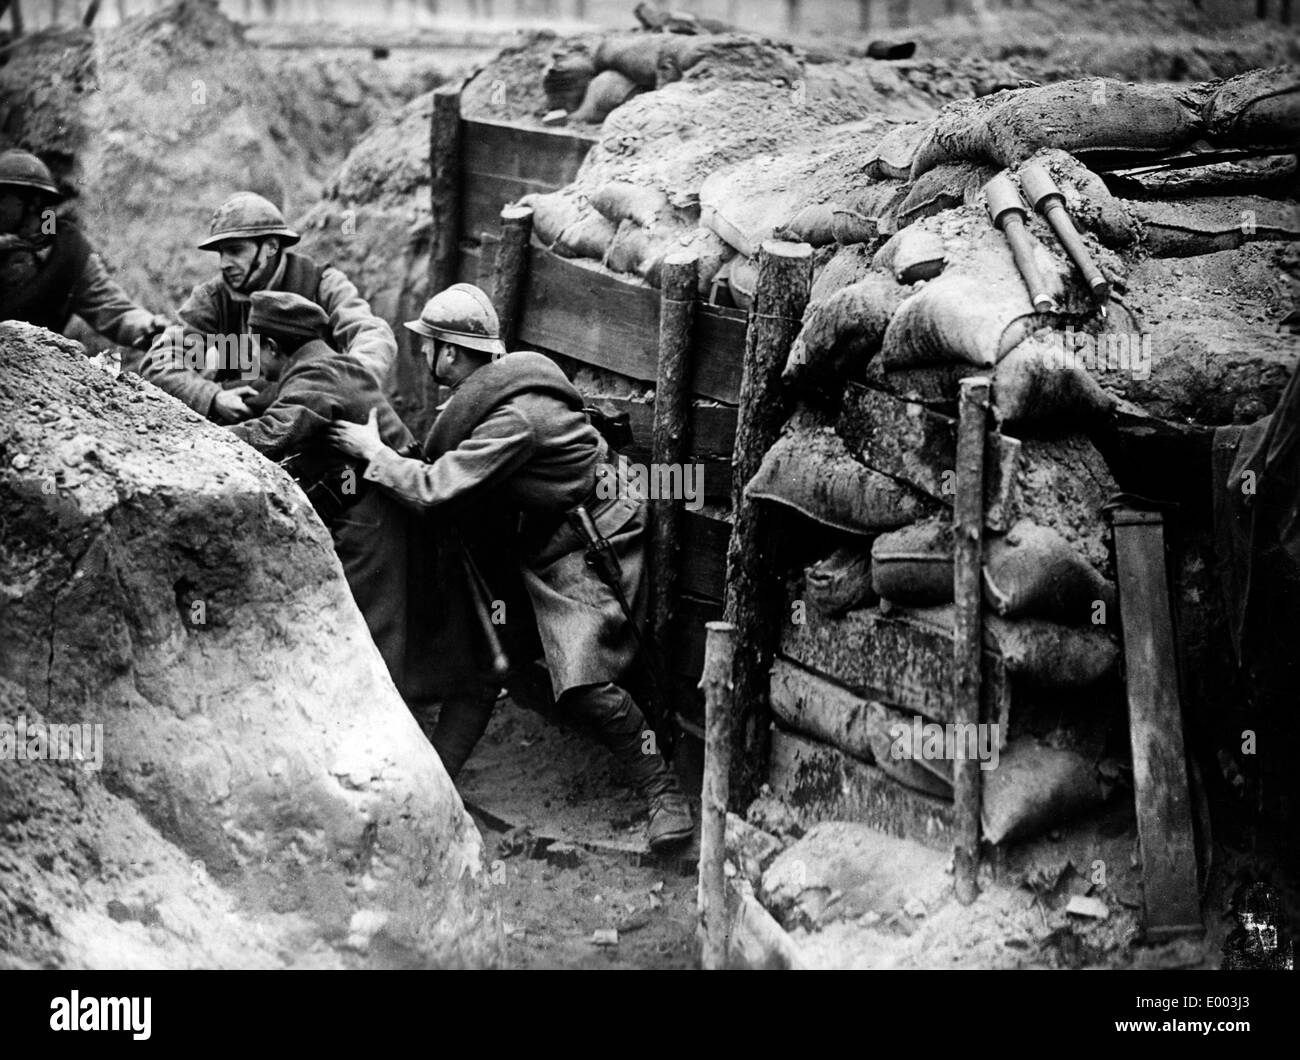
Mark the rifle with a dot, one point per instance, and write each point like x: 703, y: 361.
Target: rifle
x: 602, y: 559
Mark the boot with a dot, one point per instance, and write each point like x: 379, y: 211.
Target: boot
x: 623, y: 729
x: 462, y: 720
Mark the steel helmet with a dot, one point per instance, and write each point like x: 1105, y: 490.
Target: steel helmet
x: 246, y: 215
x: 25, y: 170
x: 461, y: 314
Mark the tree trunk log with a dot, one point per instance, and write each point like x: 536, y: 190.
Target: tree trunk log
x: 444, y: 145
x: 672, y: 409
x: 716, y: 681
x: 510, y: 271
x: 753, y: 601
x: 968, y: 526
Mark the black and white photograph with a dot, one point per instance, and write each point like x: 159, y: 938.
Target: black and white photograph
x: 556, y: 486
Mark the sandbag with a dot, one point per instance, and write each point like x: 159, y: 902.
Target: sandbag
x: 746, y: 202
x: 942, y: 188
x: 1096, y: 119
x: 736, y: 56
x: 847, y: 266
x: 566, y: 79
x: 1032, y: 571
x: 1045, y: 655
x: 1259, y: 108
x: 1035, y: 385
x: 587, y: 238
x: 553, y: 213
x: 607, y: 90
x: 1204, y: 226
x: 912, y: 254
x: 958, y: 318
x: 810, y: 470
x: 913, y: 566
x: 621, y: 201
x: 634, y: 55
x: 884, y: 727
x: 841, y: 333
x: 892, y: 156
x: 840, y: 582
x: 1035, y: 787
x: 741, y: 277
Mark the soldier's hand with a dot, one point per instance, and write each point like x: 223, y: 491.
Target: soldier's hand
x: 357, y: 439
x: 229, y: 405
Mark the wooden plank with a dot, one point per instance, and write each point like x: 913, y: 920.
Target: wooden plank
x: 585, y: 312
x: 687, y: 641
x: 712, y: 429
x: 918, y: 446
x: 704, y: 555
x: 822, y: 783
x: 755, y: 941
x: 1160, y: 789
x: 484, y: 195
x: 896, y: 659
x: 546, y: 156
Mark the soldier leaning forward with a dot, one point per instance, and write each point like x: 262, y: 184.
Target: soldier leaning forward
x: 312, y: 385
x: 514, y: 438
x: 49, y: 270
x: 251, y: 237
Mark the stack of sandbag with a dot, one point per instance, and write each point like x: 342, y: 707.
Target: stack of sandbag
x: 670, y: 170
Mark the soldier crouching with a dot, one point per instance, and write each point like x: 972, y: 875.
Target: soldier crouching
x: 513, y: 438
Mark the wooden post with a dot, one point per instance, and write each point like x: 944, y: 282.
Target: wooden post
x: 510, y: 269
x: 753, y: 599
x: 1171, y: 900
x: 668, y: 448
x: 92, y: 9
x: 968, y: 527
x: 16, y: 16
x: 444, y: 161
x: 716, y: 681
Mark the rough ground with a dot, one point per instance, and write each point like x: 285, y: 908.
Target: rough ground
x: 565, y: 849
x: 265, y: 798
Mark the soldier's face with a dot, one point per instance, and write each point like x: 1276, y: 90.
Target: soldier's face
x: 237, y: 260
x: 13, y: 208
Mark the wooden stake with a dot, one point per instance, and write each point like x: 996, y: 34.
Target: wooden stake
x: 968, y: 527
x: 668, y: 448
x: 716, y: 681
x: 444, y: 191
x: 510, y: 270
x: 753, y: 598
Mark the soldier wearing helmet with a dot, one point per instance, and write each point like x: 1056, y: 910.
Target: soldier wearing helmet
x: 251, y: 238
x: 510, y: 456
x: 49, y: 270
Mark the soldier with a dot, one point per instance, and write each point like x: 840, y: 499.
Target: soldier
x: 49, y: 270
x: 310, y: 385
x: 513, y: 438
x: 251, y: 237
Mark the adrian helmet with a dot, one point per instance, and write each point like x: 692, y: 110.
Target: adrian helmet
x: 246, y: 215
x: 464, y: 315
